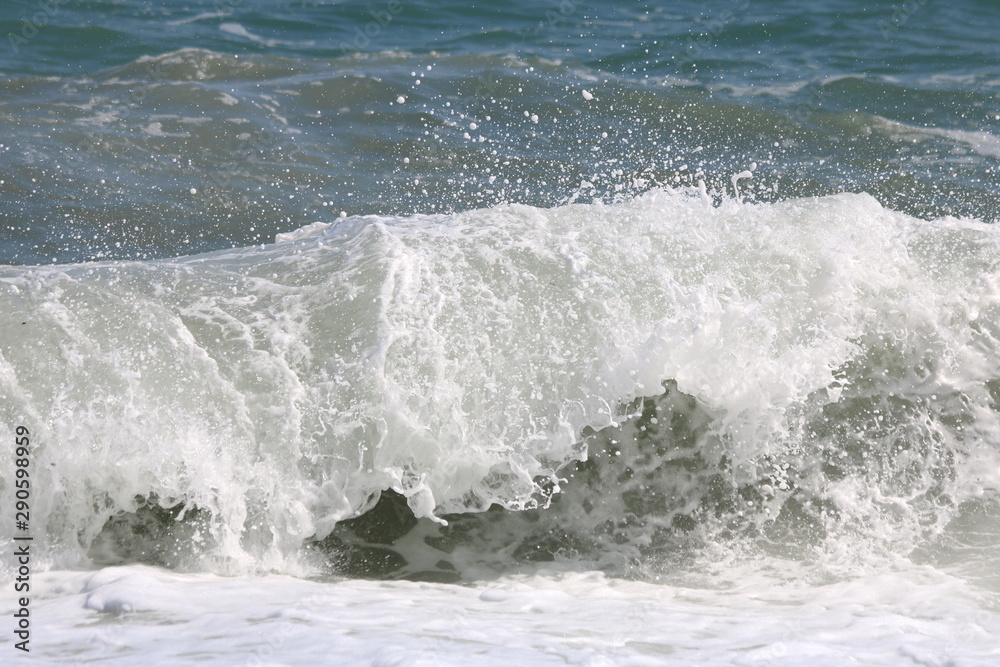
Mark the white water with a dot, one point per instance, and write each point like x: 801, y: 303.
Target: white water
x: 823, y: 466
x: 137, y: 615
x: 457, y: 359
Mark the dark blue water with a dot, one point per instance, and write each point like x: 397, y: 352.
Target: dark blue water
x: 279, y: 114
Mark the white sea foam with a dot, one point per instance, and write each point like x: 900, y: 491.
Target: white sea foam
x: 121, y: 616
x: 273, y: 392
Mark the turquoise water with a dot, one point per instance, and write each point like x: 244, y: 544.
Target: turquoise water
x: 279, y: 114
x: 412, y: 289
x: 670, y: 331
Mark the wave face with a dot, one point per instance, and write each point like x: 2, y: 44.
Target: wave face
x: 652, y: 378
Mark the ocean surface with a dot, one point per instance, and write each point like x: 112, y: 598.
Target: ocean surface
x: 409, y: 333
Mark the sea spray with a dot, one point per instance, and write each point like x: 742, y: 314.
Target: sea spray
x: 837, y: 361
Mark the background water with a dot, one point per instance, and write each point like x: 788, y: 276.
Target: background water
x: 279, y: 113
x: 697, y: 295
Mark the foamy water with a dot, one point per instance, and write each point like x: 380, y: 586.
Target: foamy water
x: 456, y: 360
x: 435, y: 333
x: 121, y: 616
x: 786, y: 408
